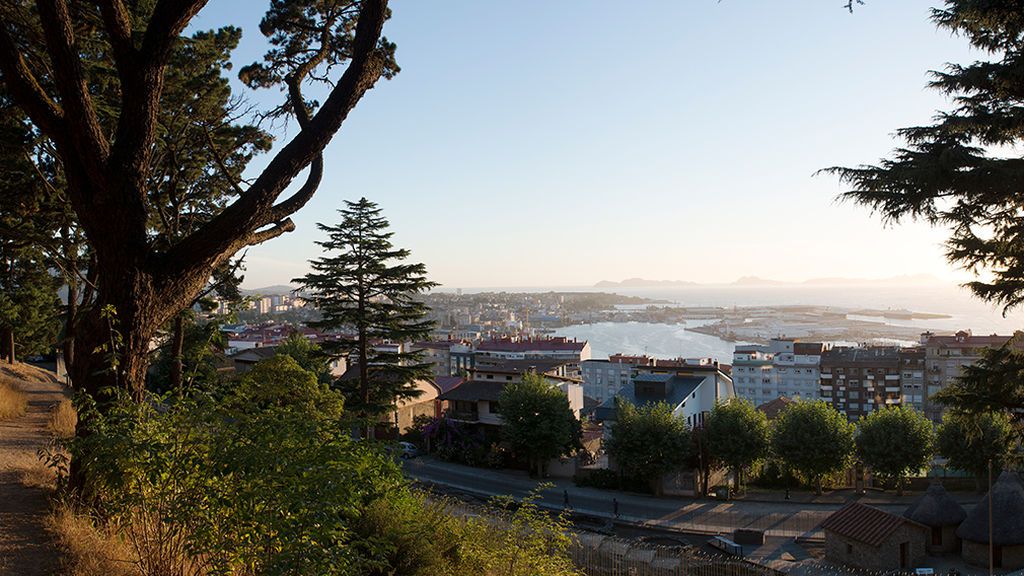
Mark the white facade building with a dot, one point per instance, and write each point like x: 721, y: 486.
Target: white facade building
x: 783, y: 367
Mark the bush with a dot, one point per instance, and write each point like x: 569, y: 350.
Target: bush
x: 261, y: 477
x: 13, y: 401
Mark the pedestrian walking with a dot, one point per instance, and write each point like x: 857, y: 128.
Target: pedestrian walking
x: 615, y: 507
x: 565, y: 498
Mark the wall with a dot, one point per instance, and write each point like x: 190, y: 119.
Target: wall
x: 884, y: 557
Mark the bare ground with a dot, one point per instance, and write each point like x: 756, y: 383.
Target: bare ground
x: 26, y: 546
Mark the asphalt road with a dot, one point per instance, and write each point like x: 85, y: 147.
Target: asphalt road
x: 782, y: 519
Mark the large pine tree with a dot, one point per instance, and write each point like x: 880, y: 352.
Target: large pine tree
x: 965, y: 171
x: 363, y: 286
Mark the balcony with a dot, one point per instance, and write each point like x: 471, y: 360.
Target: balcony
x: 464, y: 416
x: 825, y: 388
x: 891, y: 377
x: 892, y: 388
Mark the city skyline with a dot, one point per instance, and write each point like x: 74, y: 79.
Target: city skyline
x: 664, y: 142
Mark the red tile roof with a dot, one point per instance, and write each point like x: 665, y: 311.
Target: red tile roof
x: 865, y: 523
x: 510, y: 345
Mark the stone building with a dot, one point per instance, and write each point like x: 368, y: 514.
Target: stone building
x: 1007, y: 503
x: 865, y: 537
x: 937, y: 510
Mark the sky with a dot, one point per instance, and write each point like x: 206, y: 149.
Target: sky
x: 562, y: 143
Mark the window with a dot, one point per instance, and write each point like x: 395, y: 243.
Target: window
x: 495, y: 407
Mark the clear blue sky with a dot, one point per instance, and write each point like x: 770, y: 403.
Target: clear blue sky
x: 561, y: 143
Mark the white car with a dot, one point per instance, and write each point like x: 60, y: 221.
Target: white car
x: 407, y: 450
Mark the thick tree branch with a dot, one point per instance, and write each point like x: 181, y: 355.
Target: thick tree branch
x: 142, y: 79
x: 25, y: 89
x: 262, y: 236
x: 220, y: 235
x: 86, y: 134
x: 118, y: 24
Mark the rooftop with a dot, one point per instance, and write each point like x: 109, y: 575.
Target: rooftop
x: 676, y: 390
x: 864, y: 523
x: 475, y: 390
x: 531, y: 344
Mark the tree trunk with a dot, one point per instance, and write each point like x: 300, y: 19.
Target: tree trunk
x: 7, y: 337
x: 818, y: 486
x: 68, y: 345
x: 177, y: 353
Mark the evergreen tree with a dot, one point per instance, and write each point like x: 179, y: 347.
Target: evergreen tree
x: 363, y: 286
x: 29, y: 306
x: 970, y: 441
x: 963, y: 172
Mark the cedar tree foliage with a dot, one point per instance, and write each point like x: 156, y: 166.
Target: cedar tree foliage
x: 963, y: 171
x: 363, y: 286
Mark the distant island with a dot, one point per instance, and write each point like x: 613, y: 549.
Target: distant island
x: 642, y: 283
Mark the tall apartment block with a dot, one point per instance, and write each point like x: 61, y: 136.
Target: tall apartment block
x: 783, y: 367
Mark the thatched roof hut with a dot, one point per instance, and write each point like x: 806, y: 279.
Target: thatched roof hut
x: 1007, y: 496
x: 936, y: 508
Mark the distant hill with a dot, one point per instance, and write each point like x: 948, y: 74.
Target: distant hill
x: 758, y: 281
x: 641, y: 283
x: 276, y: 290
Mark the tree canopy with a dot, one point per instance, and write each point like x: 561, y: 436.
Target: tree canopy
x: 93, y: 80
x: 813, y: 439
x: 895, y: 443
x: 538, y: 422
x: 648, y: 441
x: 961, y: 172
x: 737, y: 435
x: 363, y: 287
x: 970, y: 441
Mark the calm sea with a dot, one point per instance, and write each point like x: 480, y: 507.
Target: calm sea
x: 665, y: 340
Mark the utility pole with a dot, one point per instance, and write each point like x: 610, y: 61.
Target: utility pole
x: 991, y: 547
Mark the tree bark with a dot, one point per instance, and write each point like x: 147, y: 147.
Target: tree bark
x: 8, y: 344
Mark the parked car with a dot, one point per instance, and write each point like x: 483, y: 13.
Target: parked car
x: 407, y: 450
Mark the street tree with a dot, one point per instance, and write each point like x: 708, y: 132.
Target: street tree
x: 963, y: 172
x: 363, y: 285
x: 970, y: 441
x: 307, y: 354
x: 813, y: 439
x: 648, y: 441
x: 737, y: 435
x: 108, y: 172
x: 538, y: 422
x: 895, y: 443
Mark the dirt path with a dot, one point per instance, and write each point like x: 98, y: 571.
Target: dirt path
x: 26, y: 547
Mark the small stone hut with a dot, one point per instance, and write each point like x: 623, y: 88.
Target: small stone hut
x: 1007, y: 503
x: 937, y: 510
x: 866, y: 537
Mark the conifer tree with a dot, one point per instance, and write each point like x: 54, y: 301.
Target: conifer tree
x: 362, y: 285
x: 964, y: 171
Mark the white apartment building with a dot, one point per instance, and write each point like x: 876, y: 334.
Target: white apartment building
x: 783, y: 367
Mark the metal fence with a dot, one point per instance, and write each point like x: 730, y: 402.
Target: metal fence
x: 598, y: 555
